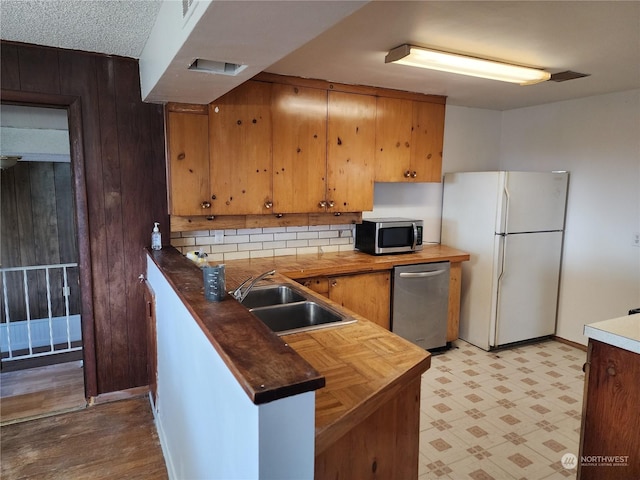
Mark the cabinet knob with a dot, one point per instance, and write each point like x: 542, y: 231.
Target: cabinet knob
x: 279, y: 215
x: 205, y: 204
x: 268, y: 204
x: 330, y: 204
x: 407, y: 174
x: 334, y: 283
x: 414, y: 174
x: 322, y: 204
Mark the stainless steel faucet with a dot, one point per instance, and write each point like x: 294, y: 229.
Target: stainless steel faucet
x: 240, y: 295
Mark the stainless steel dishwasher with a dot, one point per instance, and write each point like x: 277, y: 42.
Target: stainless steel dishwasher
x: 420, y: 303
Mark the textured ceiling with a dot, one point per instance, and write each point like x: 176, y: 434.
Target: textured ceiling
x: 601, y: 38
x: 118, y: 27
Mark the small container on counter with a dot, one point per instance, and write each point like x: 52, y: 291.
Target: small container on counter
x: 214, y: 282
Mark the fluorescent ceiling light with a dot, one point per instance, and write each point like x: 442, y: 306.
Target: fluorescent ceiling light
x: 463, y: 65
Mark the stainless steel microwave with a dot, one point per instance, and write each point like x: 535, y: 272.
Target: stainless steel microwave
x: 378, y: 236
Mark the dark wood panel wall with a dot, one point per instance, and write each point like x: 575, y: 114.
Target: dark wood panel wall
x: 117, y: 145
x: 38, y: 228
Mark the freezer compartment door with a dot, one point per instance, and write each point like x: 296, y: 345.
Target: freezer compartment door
x: 534, y: 202
x: 527, y: 293
x: 420, y: 303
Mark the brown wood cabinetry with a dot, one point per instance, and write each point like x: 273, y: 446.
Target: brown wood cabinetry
x: 350, y: 152
x: 384, y: 445
x: 285, y: 145
x: 240, y: 151
x: 188, y: 155
x: 299, y: 116
x: 409, y: 138
x: 367, y: 294
x: 610, y: 419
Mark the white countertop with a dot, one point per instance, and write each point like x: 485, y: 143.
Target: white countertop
x: 622, y: 332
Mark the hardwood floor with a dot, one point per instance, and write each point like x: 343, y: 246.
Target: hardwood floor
x: 107, y: 441
x: 41, y: 391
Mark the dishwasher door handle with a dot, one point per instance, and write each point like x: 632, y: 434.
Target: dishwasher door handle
x: 421, y: 274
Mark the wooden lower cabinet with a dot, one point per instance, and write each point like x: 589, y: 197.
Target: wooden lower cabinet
x: 610, y: 415
x: 367, y: 294
x: 383, y: 446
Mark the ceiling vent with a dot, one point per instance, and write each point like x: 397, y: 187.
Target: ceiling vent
x: 217, y: 67
x: 567, y: 75
x: 186, y: 4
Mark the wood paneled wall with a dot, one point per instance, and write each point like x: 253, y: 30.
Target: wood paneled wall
x: 38, y: 228
x: 117, y: 149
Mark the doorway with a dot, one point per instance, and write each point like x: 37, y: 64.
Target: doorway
x: 40, y: 322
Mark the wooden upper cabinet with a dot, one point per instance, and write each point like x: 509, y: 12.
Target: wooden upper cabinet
x: 299, y: 116
x: 409, y: 136
x: 188, y: 152
x: 393, y: 139
x: 350, y: 152
x: 426, y: 141
x: 240, y: 151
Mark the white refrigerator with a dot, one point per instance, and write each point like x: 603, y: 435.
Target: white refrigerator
x: 512, y: 225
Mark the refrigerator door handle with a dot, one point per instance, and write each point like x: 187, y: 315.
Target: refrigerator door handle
x: 421, y: 274
x: 507, y: 200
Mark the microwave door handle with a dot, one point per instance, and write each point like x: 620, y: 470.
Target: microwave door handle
x: 415, y: 236
x: 421, y: 274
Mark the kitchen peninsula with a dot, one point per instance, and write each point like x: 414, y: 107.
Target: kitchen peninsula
x: 234, y: 400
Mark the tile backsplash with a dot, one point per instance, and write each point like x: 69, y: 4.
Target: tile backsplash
x: 223, y: 245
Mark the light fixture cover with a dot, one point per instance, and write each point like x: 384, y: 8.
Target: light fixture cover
x: 465, y: 65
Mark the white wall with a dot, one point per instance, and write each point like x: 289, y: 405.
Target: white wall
x: 597, y: 140
x: 208, y: 427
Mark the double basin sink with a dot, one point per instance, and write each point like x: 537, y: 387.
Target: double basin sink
x: 285, y: 309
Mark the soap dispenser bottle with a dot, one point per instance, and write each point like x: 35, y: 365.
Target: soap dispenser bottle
x: 156, y: 237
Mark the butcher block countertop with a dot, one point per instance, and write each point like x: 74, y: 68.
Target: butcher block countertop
x: 353, y: 368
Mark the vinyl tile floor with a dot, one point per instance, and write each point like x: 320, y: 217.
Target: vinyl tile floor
x: 509, y: 414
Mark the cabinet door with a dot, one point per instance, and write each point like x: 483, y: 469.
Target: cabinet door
x: 188, y: 151
x: 350, y: 152
x: 367, y: 294
x: 240, y: 146
x: 299, y: 117
x: 393, y: 139
x: 426, y: 142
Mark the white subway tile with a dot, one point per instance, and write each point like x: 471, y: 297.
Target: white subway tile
x: 261, y: 253
x: 280, y: 252
x: 237, y: 238
x: 263, y: 237
x: 176, y: 234
x: 215, y: 258
x: 224, y: 248
x: 199, y: 233
x: 284, y: 236
x: 302, y: 228
x: 329, y: 248
x: 319, y: 242
x: 341, y: 227
x: 245, y: 247
x: 317, y: 228
x: 328, y: 234
x: 272, y: 245
x: 230, y: 231
x: 306, y: 251
x: 249, y: 231
x: 183, y: 242
x: 236, y: 256
x: 306, y: 235
x: 339, y: 241
x: 274, y: 230
x: 346, y: 248
x: 297, y: 243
